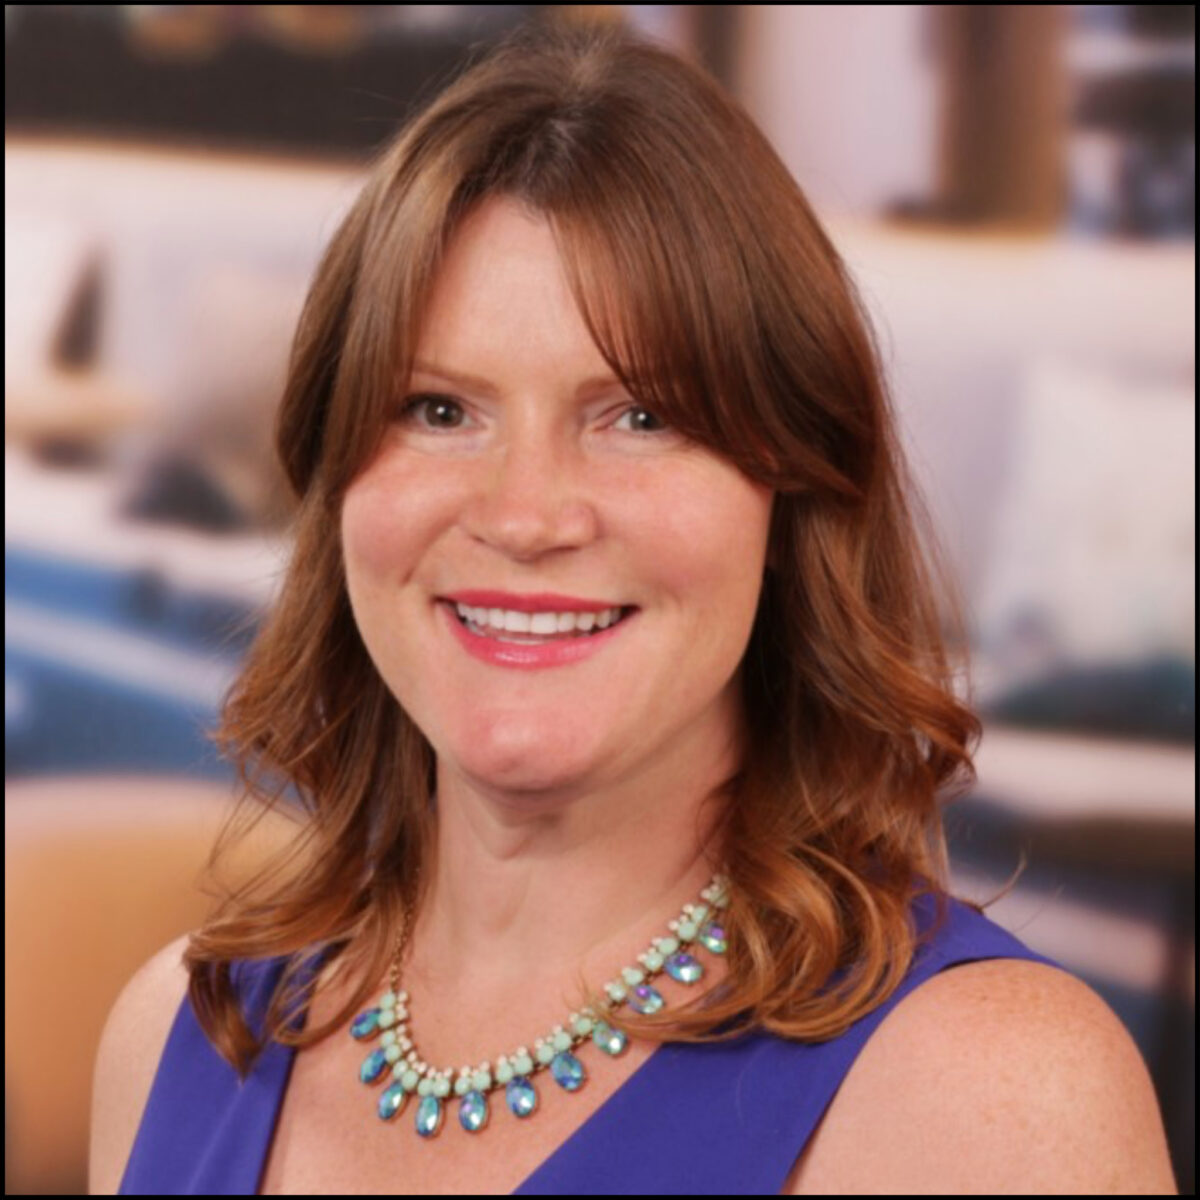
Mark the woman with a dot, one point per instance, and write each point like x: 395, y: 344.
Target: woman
x: 609, y: 672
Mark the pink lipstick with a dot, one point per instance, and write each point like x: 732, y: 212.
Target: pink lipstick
x: 556, y: 653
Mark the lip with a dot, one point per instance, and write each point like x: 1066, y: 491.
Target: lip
x: 530, y: 657
x: 537, y: 602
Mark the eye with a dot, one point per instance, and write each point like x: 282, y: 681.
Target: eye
x: 431, y: 402
x: 411, y: 407
x: 637, y: 408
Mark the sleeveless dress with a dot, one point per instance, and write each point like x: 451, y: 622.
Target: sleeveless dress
x: 716, y: 1119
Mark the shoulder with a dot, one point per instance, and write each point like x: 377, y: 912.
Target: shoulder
x: 1003, y: 1076
x: 131, y: 1045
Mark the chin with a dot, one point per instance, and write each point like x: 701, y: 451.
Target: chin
x: 530, y: 776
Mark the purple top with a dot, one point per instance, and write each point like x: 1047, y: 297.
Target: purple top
x: 715, y: 1119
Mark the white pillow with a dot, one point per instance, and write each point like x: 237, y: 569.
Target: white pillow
x: 44, y: 261
x: 1094, y: 546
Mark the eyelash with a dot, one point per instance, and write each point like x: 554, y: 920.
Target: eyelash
x: 408, y: 406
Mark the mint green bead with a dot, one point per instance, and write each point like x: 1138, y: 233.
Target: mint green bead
x: 561, y: 1041
x: 667, y: 945
x: 440, y: 1087
x: 583, y: 1025
x: 388, y: 1000
x: 425, y: 1086
x: 388, y: 1039
x: 409, y: 1080
x: 687, y: 931
x: 392, y: 1053
x: 699, y: 913
x: 654, y: 960
x: 523, y: 1064
x: 633, y: 975
x: 387, y: 1017
x: 545, y: 1052
x: 504, y: 1071
x: 482, y: 1080
x: 462, y: 1085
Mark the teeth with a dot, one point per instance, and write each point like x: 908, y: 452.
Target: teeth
x: 542, y: 624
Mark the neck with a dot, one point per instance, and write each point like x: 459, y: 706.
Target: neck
x: 522, y: 897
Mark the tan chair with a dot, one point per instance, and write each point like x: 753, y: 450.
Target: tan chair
x: 100, y: 872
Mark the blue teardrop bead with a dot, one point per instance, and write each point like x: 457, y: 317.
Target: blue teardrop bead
x: 429, y: 1116
x: 713, y: 938
x: 473, y: 1111
x: 391, y: 1101
x: 373, y: 1066
x: 645, y: 999
x: 611, y: 1041
x: 683, y: 967
x: 366, y: 1023
x: 568, y: 1071
x: 521, y: 1096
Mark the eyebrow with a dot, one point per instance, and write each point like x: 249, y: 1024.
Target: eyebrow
x: 462, y: 379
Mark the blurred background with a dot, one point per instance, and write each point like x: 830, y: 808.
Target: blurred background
x: 1013, y: 187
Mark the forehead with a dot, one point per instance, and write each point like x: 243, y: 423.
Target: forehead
x: 501, y: 298
x: 500, y: 249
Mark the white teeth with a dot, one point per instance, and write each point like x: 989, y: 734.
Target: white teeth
x: 543, y: 624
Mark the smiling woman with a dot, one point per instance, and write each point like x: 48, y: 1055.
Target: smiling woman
x: 621, y: 739
x: 545, y: 482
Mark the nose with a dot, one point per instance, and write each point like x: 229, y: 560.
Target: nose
x: 531, y: 496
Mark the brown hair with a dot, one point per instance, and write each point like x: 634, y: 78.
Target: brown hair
x: 715, y: 295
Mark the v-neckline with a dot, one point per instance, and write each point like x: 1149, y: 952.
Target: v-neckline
x: 577, y: 1134
x: 568, y: 1143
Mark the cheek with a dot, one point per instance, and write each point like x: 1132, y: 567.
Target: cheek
x: 717, y: 541
x: 373, y: 537
x: 394, y: 512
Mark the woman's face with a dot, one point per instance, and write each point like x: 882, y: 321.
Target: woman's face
x: 526, y: 481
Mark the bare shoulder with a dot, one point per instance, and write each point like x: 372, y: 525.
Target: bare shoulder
x: 1000, y: 1077
x: 131, y: 1046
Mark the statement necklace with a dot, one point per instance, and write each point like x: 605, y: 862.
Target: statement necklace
x: 697, y: 924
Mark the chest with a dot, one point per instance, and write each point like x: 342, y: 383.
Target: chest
x: 330, y: 1141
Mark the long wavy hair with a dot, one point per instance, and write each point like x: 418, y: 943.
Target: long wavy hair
x: 714, y: 294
